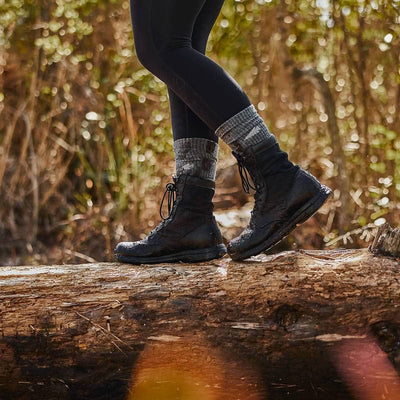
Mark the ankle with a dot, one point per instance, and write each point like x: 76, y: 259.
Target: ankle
x: 244, y: 130
x: 196, y: 157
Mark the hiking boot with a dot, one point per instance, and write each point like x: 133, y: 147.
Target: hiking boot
x: 282, y: 200
x: 189, y: 233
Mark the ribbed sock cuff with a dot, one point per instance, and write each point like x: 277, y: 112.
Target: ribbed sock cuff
x: 196, y: 157
x: 245, y: 129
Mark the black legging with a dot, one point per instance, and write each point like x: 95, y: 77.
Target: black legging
x: 170, y: 39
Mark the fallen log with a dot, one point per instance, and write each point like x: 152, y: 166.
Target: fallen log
x: 286, y: 326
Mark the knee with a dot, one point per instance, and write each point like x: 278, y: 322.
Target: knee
x: 156, y: 54
x: 148, y: 55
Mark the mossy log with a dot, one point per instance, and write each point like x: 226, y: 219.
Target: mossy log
x: 273, y: 327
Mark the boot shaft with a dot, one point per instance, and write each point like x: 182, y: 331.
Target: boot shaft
x: 194, y: 194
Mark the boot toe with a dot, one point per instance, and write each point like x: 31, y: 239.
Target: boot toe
x: 277, y: 218
x: 136, y: 249
x: 125, y: 248
x: 122, y: 247
x: 241, y: 247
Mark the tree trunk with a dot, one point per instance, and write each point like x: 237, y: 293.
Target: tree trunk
x: 292, y: 325
x: 316, y: 78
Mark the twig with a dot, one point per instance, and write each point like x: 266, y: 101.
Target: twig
x: 6, y: 144
x: 80, y: 255
x: 106, y: 332
x: 347, y: 236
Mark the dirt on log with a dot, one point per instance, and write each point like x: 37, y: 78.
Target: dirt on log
x: 295, y: 325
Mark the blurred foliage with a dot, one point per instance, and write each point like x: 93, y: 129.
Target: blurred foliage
x: 85, y: 136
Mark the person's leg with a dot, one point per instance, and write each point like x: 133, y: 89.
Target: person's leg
x: 163, y: 38
x: 195, y: 144
x: 185, y: 123
x: 285, y: 195
x: 190, y: 232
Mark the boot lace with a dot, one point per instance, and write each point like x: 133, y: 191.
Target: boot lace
x: 170, y: 193
x: 245, y: 175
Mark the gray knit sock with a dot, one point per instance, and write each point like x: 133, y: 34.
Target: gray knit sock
x: 245, y: 129
x: 196, y: 157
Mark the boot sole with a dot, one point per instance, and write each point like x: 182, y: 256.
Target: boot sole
x: 193, y: 255
x: 302, y: 215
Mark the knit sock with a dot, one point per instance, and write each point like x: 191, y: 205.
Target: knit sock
x: 247, y: 129
x: 196, y: 157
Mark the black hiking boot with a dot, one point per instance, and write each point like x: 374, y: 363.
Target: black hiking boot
x: 282, y: 200
x: 189, y: 233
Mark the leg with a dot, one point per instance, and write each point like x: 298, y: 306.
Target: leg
x: 285, y: 194
x: 163, y: 36
x: 190, y: 232
x: 185, y: 123
x: 195, y: 144
x: 163, y: 31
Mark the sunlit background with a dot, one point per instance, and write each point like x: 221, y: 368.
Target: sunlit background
x: 85, y: 133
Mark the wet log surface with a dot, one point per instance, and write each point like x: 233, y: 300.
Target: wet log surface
x: 284, y: 326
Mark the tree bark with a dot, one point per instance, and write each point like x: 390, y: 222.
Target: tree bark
x: 271, y: 327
